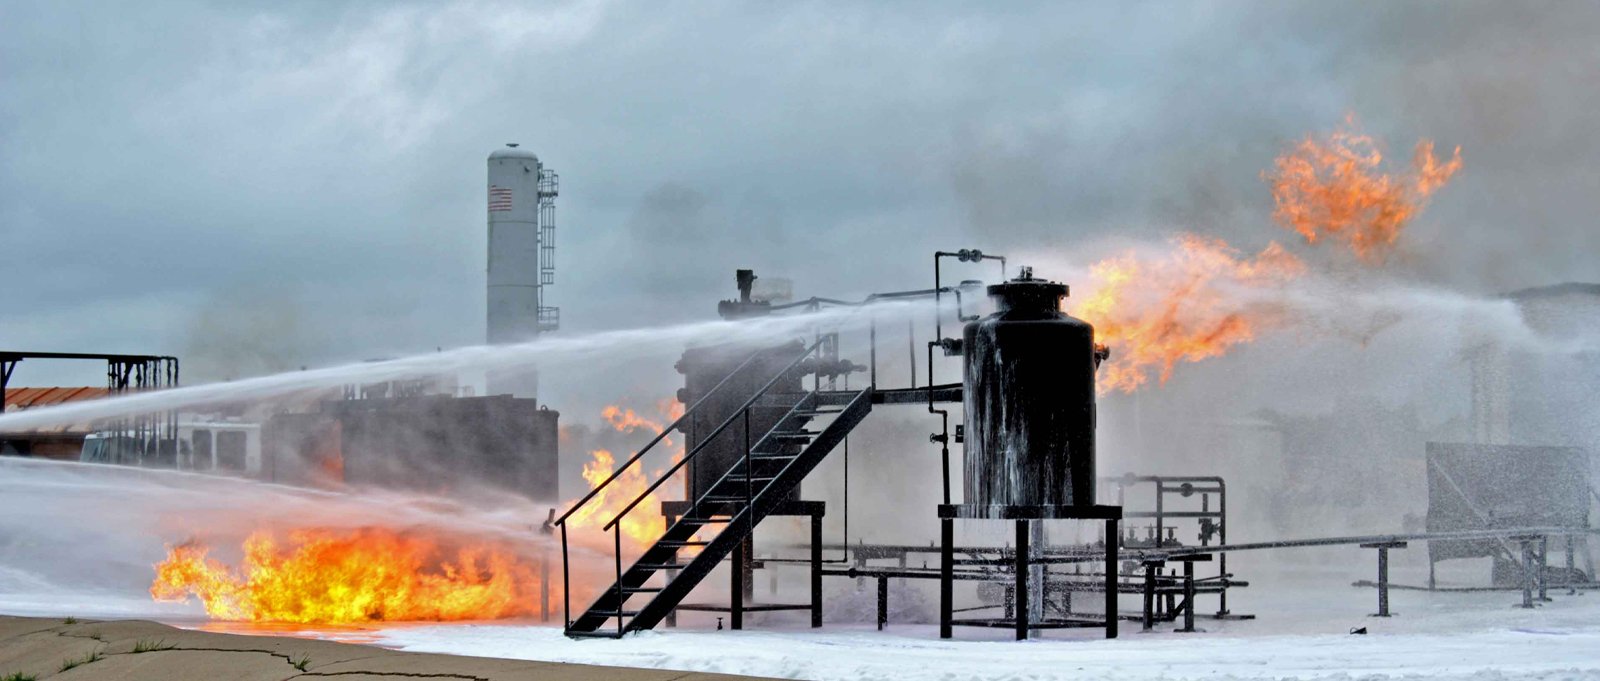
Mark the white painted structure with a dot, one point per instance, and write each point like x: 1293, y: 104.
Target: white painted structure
x: 521, y: 208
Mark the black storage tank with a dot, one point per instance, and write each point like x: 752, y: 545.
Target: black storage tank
x: 1029, y: 390
x: 705, y: 367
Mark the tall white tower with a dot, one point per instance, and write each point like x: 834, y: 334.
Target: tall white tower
x: 521, y: 259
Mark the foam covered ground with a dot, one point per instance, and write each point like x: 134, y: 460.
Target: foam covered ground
x: 1302, y: 633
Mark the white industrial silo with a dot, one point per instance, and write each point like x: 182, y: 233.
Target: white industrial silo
x: 521, y: 259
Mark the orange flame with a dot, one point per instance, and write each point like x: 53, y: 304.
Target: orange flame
x: 1202, y: 297
x: 1335, y: 188
x: 1183, y: 307
x: 644, y: 524
x: 641, y: 526
x: 326, y: 576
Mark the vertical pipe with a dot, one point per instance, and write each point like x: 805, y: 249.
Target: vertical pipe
x: 944, y: 434
x: 1161, y: 497
x: 1222, y: 540
x: 1111, y: 578
x: 816, y: 570
x: 872, y: 336
x: 1021, y: 568
x: 947, y: 533
x: 911, y: 349
x: 938, y: 306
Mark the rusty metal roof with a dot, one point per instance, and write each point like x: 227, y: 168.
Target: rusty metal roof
x: 23, y: 398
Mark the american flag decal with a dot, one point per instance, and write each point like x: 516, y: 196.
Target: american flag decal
x: 499, y: 199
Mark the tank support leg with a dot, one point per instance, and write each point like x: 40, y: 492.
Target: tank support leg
x: 1111, y: 578
x: 1022, y: 580
x: 883, y: 602
x: 947, y: 561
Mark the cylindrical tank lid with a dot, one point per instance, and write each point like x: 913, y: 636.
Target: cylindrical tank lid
x: 511, y: 150
x: 1028, y: 292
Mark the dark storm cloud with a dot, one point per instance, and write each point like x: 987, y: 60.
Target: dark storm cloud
x: 166, y: 163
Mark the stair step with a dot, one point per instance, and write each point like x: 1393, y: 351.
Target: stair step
x: 593, y: 634
x: 704, y: 521
x: 788, y: 453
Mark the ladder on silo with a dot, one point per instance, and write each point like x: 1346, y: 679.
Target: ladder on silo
x: 727, y: 513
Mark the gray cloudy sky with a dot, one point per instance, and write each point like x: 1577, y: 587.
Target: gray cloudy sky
x: 301, y: 183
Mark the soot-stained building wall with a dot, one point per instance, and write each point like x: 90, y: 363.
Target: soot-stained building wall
x: 436, y: 444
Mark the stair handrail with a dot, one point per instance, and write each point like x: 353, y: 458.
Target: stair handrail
x: 735, y: 415
x: 653, y: 441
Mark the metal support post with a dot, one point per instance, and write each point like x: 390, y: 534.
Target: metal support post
x: 1383, y: 582
x: 736, y: 590
x: 947, y: 561
x: 1383, y: 573
x: 1189, y: 604
x: 1111, y: 577
x: 1188, y: 598
x: 816, y: 571
x: 1150, y: 593
x: 1022, y: 580
x: 1527, y: 574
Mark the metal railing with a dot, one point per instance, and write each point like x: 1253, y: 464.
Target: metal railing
x: 615, y: 524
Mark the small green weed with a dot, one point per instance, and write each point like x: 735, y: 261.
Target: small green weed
x: 78, y: 662
x: 70, y: 620
x: 148, y: 646
x: 18, y: 676
x: 302, y: 663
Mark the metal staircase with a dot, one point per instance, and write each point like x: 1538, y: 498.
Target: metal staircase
x: 729, y: 510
